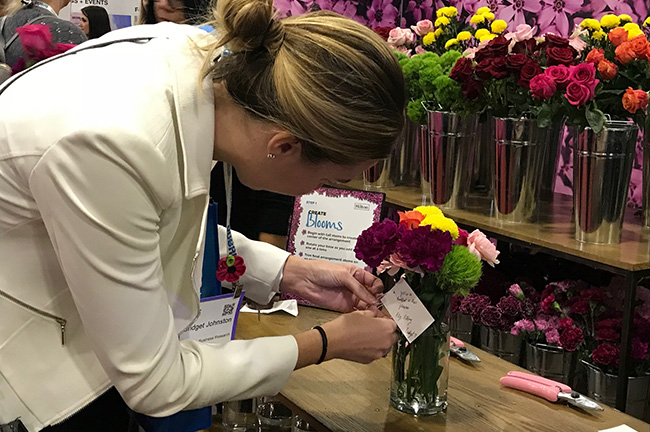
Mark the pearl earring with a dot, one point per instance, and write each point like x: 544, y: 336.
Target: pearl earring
x: 270, y: 156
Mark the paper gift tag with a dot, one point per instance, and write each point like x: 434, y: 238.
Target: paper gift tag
x: 407, y: 310
x: 217, y: 321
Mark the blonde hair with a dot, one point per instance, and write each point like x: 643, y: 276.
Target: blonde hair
x: 9, y: 7
x: 329, y: 81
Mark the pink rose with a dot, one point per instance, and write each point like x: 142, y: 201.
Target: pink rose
x: 36, y: 40
x: 396, y: 37
x: 542, y: 86
x: 584, y: 73
x: 577, y: 94
x: 560, y: 74
x: 522, y: 32
x: 419, y: 50
x: 470, y: 53
x: 482, y: 247
x: 423, y: 27
x: 577, y: 43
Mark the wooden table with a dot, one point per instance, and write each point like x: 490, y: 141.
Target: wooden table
x: 350, y: 397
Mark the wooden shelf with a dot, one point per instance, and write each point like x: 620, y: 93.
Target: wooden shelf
x: 553, y: 232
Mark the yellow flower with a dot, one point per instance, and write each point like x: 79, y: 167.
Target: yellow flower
x: 442, y: 21
x: 488, y: 37
x: 631, y: 26
x: 442, y: 223
x: 489, y: 16
x: 450, y: 12
x: 499, y: 26
x: 429, y: 38
x: 429, y: 212
x: 451, y: 42
x: 610, y: 21
x: 625, y: 18
x: 443, y: 11
x: 483, y: 10
x: 477, y: 19
x: 631, y: 34
x: 590, y: 24
x: 646, y: 23
x: 480, y: 33
x: 464, y: 35
x: 438, y: 32
x: 598, y: 35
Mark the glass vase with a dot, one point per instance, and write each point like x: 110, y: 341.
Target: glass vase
x: 420, y: 371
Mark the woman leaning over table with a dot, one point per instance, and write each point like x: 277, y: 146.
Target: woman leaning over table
x: 102, y: 206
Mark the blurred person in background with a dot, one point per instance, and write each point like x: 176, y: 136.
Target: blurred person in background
x: 94, y: 21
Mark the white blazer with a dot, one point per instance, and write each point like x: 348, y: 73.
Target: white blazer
x: 105, y: 160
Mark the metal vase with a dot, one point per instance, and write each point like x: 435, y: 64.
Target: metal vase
x: 602, y: 388
x: 501, y: 344
x: 461, y: 326
x: 482, y: 181
x: 404, y: 162
x: 550, y: 361
x: 450, y: 157
x: 550, y: 139
x: 517, y: 169
x: 377, y: 177
x: 602, y: 165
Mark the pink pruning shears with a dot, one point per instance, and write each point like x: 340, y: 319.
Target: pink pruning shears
x: 458, y: 348
x: 550, y: 390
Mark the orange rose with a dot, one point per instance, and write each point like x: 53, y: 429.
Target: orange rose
x: 607, y: 69
x: 634, y: 100
x: 410, y: 219
x: 640, y: 46
x: 625, y: 53
x: 595, y: 56
x: 618, y: 36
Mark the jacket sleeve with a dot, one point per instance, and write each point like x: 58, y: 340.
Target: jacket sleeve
x: 101, y: 197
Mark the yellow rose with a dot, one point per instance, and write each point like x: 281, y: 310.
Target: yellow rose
x: 438, y: 32
x: 499, y: 26
x: 442, y: 223
x: 442, y: 21
x: 631, y: 26
x: 477, y: 19
x: 464, y: 35
x: 631, y: 34
x: 488, y: 37
x: 450, y: 12
x: 598, y: 35
x: 625, y: 18
x: 646, y: 23
x: 483, y: 10
x: 451, y: 42
x: 480, y: 33
x: 489, y: 16
x: 610, y: 21
x: 590, y: 24
x: 429, y: 38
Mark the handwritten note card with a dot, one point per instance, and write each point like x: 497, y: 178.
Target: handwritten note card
x: 407, y: 310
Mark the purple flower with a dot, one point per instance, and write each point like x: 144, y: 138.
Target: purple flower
x: 553, y: 16
x: 524, y: 325
x: 349, y: 9
x: 516, y: 291
x: 287, y: 8
x: 639, y: 349
x: 541, y: 323
x: 491, y: 317
x: 317, y: 5
x: 515, y: 13
x: 510, y: 306
x: 473, y: 305
x: 377, y: 242
x: 382, y: 13
x: 455, y: 303
x: 617, y: 7
x: 553, y: 336
x: 421, y: 9
x: 425, y: 248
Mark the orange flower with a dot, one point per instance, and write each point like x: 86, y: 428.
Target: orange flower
x: 410, y: 219
x: 618, y: 36
x: 625, y: 53
x: 634, y: 100
x: 595, y: 56
x: 640, y: 46
x: 607, y: 69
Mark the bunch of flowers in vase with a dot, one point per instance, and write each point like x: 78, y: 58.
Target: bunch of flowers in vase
x: 437, y: 259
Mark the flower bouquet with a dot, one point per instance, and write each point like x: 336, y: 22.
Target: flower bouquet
x: 437, y: 259
x: 38, y: 45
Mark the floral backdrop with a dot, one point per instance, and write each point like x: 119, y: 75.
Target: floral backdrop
x: 555, y: 16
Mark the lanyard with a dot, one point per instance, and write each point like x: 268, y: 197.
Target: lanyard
x: 227, y: 178
x: 44, y: 6
x: 232, y: 261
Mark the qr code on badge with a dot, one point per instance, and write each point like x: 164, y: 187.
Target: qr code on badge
x: 228, y: 309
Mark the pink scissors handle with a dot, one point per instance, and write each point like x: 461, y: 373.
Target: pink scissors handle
x: 456, y: 342
x: 538, y: 389
x: 541, y: 380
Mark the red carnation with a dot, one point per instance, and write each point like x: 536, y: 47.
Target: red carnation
x: 607, y: 335
x: 566, y: 323
x: 606, y: 354
x: 639, y: 349
x: 594, y: 294
x: 548, y: 304
x: 580, y: 306
x: 571, y: 338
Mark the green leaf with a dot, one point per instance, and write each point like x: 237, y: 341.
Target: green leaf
x: 544, y: 116
x: 595, y: 118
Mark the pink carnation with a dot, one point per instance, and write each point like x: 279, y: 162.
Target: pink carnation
x: 553, y: 336
x: 524, y: 325
x: 482, y: 247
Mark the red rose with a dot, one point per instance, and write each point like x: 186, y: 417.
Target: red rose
x: 483, y: 70
x: 606, y: 354
x: 607, y: 69
x: 542, y: 87
x: 577, y: 94
x: 383, y: 31
x: 556, y: 56
x: 462, y: 70
x: 552, y: 40
x: 607, y: 335
x: 571, y: 338
x: 497, y: 47
x: 528, y: 71
x: 36, y: 40
x: 559, y: 73
x: 499, y: 68
x: 528, y: 47
x: 472, y: 89
x: 515, y: 62
x: 595, y: 56
x: 585, y: 74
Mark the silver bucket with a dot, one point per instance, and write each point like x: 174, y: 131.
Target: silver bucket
x: 550, y: 139
x: 404, y: 162
x: 460, y: 326
x: 450, y: 158
x: 550, y: 361
x: 482, y: 174
x: 518, y: 165
x: 602, y: 388
x: 602, y: 165
x: 377, y: 177
x: 501, y: 344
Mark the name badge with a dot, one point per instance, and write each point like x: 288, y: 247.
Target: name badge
x: 217, y: 320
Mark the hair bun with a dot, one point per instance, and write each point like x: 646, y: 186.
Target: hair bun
x: 247, y: 25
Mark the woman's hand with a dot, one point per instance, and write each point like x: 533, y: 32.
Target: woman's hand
x: 343, y: 287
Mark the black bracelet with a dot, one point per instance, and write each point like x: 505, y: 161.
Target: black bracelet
x: 324, y: 338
